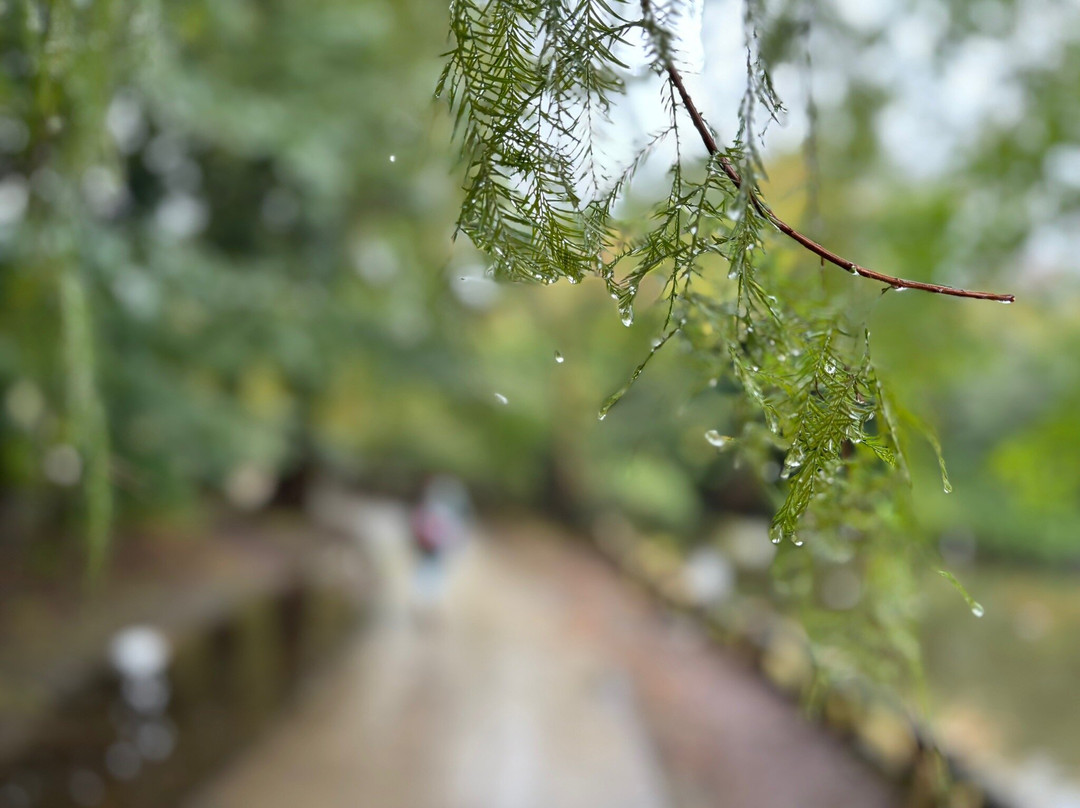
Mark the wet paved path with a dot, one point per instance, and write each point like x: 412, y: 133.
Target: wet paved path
x: 545, y: 681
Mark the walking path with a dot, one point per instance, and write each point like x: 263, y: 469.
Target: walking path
x: 545, y: 681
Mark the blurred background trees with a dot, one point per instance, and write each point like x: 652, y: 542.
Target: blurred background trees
x: 226, y: 268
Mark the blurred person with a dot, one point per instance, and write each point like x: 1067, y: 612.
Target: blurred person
x: 440, y: 525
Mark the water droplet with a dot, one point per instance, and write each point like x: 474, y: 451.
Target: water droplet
x: 830, y: 368
x: 792, y: 463
x: 1008, y: 302
x: 776, y: 534
x: 977, y: 609
x: 796, y: 541
x: 559, y: 358
x: 501, y: 398
x: 733, y: 274
x: 716, y: 439
x: 627, y: 317
x: 393, y: 158
x: 611, y: 401
x: 946, y: 486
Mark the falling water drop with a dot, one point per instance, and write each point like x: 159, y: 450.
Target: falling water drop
x: 393, y: 158
x: 559, y: 358
x: 501, y: 398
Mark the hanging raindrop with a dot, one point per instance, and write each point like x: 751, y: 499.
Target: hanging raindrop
x: 716, y: 439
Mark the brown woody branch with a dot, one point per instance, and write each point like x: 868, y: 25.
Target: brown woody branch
x: 824, y: 253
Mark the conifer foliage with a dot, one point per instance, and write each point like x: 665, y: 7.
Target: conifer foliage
x: 532, y: 85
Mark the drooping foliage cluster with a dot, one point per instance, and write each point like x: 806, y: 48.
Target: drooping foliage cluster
x: 533, y: 86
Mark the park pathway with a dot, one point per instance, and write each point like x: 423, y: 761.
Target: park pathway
x: 544, y: 681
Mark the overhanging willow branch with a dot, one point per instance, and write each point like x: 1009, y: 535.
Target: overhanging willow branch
x: 759, y: 205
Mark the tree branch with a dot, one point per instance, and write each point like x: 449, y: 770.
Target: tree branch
x: 759, y: 205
